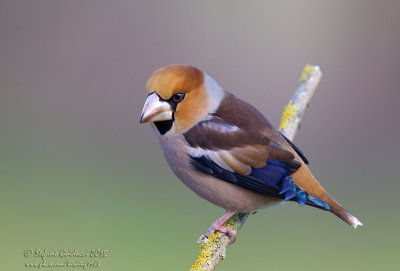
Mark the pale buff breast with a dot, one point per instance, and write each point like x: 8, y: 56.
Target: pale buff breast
x: 219, y: 192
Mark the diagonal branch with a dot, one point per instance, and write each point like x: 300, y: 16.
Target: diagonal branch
x: 213, y: 247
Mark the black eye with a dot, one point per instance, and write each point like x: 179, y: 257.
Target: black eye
x: 178, y: 97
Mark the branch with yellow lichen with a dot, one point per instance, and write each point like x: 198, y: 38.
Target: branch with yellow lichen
x: 213, y: 247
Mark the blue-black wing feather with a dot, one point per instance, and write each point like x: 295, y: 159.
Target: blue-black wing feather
x: 272, y: 180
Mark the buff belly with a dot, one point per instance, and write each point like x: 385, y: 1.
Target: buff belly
x: 219, y: 192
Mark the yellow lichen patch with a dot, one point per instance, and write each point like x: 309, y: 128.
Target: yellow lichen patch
x: 211, y: 246
x: 231, y: 222
x: 289, y: 112
x: 307, y: 71
x: 207, y: 248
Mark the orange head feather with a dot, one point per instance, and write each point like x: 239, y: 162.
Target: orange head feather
x: 172, y: 79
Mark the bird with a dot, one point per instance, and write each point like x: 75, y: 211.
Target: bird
x: 225, y: 150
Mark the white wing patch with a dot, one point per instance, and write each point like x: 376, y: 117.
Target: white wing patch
x: 222, y: 158
x: 211, y: 155
x: 220, y: 127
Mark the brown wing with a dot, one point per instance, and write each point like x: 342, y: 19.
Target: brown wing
x: 238, y: 137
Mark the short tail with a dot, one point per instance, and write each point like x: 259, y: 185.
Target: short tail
x: 329, y: 205
x: 346, y: 216
x: 318, y: 197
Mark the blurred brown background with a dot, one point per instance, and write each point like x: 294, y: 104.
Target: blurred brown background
x: 77, y: 171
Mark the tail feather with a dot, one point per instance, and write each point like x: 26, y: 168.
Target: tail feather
x: 329, y: 205
x: 307, y: 182
x: 346, y: 216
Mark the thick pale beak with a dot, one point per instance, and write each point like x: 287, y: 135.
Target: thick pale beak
x: 155, y: 109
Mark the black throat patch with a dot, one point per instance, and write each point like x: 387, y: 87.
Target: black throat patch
x: 164, y: 126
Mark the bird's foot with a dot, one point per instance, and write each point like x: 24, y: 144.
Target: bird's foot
x: 220, y: 227
x: 231, y: 233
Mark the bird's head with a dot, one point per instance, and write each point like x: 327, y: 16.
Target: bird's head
x: 179, y: 96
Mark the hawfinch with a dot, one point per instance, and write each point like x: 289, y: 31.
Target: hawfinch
x: 225, y: 150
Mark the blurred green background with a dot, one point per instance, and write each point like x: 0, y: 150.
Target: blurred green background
x: 77, y: 171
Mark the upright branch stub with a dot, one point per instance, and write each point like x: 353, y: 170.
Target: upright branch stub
x: 213, y: 247
x: 293, y: 112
